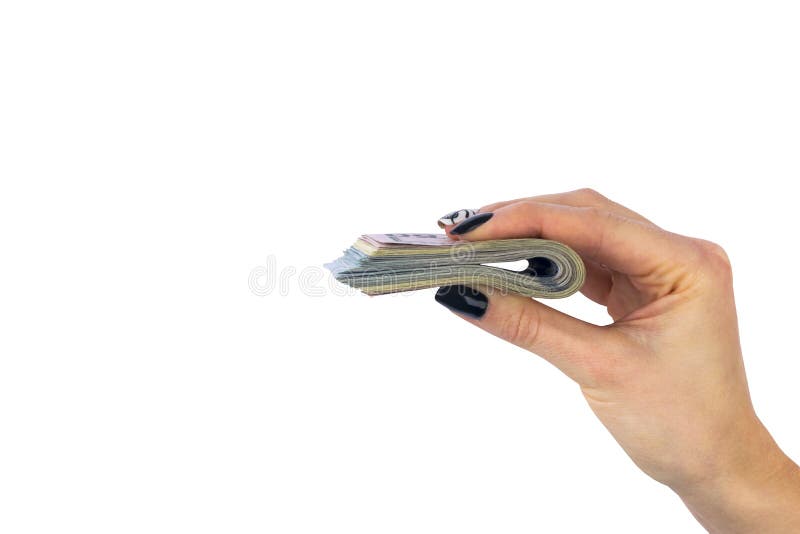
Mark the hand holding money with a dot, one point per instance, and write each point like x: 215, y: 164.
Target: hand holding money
x: 666, y: 377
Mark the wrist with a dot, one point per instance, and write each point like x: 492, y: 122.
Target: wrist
x: 757, y: 490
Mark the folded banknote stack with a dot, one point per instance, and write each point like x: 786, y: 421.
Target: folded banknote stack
x: 378, y: 264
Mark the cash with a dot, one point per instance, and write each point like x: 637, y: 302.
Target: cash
x: 378, y: 264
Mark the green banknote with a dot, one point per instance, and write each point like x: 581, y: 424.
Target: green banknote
x: 378, y: 264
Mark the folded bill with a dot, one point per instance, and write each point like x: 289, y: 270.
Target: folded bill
x: 378, y: 264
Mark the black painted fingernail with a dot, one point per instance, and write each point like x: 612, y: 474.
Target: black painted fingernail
x: 463, y: 299
x: 467, y: 225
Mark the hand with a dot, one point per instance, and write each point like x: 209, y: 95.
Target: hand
x: 666, y: 377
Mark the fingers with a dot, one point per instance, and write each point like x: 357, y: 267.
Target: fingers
x: 578, y: 198
x: 574, y: 346
x: 455, y: 217
x: 622, y: 244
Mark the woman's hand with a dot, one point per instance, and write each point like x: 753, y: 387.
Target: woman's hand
x: 666, y: 378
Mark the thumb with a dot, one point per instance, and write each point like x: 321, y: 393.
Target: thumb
x: 576, y: 347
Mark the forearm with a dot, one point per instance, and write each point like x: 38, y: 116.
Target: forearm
x: 761, y: 495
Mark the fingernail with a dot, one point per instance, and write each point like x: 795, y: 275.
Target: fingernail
x: 470, y: 224
x: 463, y: 300
x: 455, y: 217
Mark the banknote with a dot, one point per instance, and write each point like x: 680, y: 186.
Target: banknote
x: 378, y: 264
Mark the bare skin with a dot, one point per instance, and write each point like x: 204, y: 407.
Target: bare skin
x: 666, y: 378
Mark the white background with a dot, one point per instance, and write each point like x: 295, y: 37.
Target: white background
x: 154, y: 153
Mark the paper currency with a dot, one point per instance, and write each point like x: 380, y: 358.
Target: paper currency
x: 378, y: 264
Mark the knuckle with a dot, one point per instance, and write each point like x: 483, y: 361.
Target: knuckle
x: 602, y: 220
x: 529, y: 204
x: 522, y: 328
x: 714, y: 255
x: 713, y: 265
x: 589, y: 194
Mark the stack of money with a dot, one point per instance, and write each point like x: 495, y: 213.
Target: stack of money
x: 378, y: 264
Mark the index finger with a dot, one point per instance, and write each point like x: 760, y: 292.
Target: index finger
x: 578, y: 198
x: 625, y: 245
